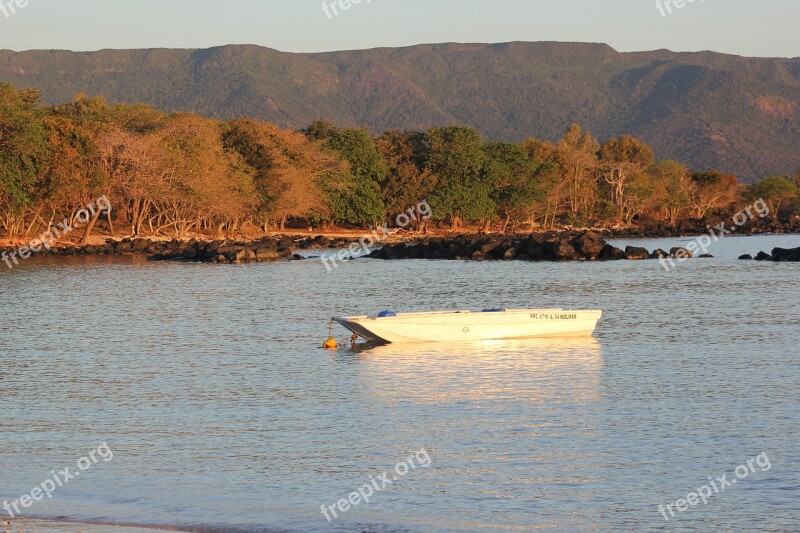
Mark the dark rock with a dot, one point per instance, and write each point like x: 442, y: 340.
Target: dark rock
x: 124, y: 245
x: 208, y: 251
x: 611, y: 253
x: 590, y: 244
x: 478, y: 256
x: 243, y: 255
x: 267, y: 254
x: 746, y: 257
x: 565, y: 251
x: 786, y: 255
x: 140, y: 245
x: 490, y: 246
x: 537, y: 238
x: 658, y: 253
x: 706, y: 256
x: 538, y: 251
x: 636, y: 253
x: 270, y: 244
x: 680, y: 253
x: 763, y: 256
x: 226, y: 249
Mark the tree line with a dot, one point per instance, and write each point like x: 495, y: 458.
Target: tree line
x: 173, y: 174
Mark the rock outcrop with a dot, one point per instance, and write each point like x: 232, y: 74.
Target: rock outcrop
x: 779, y: 255
x: 551, y: 246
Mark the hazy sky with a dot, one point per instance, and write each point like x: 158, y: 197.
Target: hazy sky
x: 744, y: 27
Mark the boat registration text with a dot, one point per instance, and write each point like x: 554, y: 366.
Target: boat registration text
x: 554, y: 316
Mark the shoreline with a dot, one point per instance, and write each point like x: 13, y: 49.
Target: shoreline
x: 66, y: 525
x: 554, y: 246
x: 645, y: 230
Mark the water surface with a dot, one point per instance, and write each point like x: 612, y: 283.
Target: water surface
x: 207, y: 383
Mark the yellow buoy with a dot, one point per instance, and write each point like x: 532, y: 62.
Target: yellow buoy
x: 329, y: 344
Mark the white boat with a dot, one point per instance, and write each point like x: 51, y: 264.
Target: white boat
x: 486, y: 324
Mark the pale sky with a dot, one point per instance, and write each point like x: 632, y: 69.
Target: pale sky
x: 765, y: 28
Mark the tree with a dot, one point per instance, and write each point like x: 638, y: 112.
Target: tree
x: 776, y: 191
x: 202, y: 183
x: 712, y: 190
x: 577, y: 154
x: 623, y: 159
x: 24, y: 155
x: 133, y: 164
x: 288, y: 170
x: 354, y: 196
x: 455, y: 156
x: 675, y: 186
x: 74, y: 177
x: 407, y: 180
x: 512, y: 173
x: 540, y: 152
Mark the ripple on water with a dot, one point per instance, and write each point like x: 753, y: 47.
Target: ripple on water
x: 208, y: 384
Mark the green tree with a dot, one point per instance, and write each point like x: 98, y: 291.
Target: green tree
x: 515, y: 187
x: 776, y: 191
x: 464, y: 186
x: 355, y: 195
x: 407, y: 181
x: 24, y: 155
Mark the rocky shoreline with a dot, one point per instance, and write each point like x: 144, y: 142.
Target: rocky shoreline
x: 584, y: 245
x: 218, y: 251
x: 653, y: 229
x: 551, y: 246
x: 778, y: 255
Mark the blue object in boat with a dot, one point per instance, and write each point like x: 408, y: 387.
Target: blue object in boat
x: 494, y: 310
x: 387, y: 313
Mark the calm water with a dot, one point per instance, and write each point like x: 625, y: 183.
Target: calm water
x: 207, y: 383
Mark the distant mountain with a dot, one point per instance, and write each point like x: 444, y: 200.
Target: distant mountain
x: 734, y: 114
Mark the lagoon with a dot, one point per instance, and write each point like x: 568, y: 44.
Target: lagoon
x: 208, y: 383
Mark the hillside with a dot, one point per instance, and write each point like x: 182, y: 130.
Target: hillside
x: 734, y: 114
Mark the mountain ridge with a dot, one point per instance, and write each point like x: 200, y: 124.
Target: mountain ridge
x: 711, y: 110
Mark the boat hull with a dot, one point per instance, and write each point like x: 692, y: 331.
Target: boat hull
x: 450, y: 326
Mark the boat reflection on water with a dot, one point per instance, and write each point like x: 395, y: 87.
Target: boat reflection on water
x: 533, y: 370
